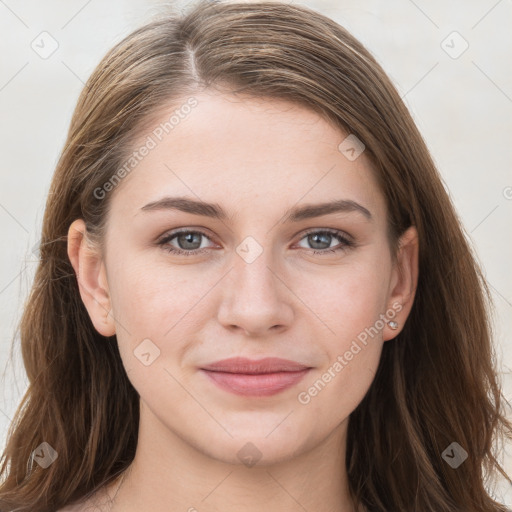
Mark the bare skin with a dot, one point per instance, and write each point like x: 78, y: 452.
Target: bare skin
x: 256, y: 159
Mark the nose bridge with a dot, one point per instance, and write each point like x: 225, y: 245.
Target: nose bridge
x: 251, y: 274
x: 254, y: 299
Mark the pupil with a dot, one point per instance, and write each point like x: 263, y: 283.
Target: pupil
x: 188, y: 237
x: 316, y: 236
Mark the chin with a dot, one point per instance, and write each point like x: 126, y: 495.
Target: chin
x: 255, y: 449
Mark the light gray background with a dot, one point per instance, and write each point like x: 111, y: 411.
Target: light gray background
x: 461, y: 103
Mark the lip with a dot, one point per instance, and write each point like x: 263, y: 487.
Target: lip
x: 263, y: 377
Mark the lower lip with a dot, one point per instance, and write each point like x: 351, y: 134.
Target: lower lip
x: 266, y: 384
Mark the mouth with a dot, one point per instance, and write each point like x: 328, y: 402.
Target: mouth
x: 265, y: 377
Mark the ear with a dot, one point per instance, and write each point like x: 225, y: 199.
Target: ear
x: 92, y: 279
x: 404, y: 281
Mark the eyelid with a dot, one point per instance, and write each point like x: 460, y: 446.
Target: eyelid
x: 333, y: 231
x: 189, y: 229
x: 346, y: 241
x: 205, y: 232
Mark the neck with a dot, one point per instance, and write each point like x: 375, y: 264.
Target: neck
x: 168, y: 473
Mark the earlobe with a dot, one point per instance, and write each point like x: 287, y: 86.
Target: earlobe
x: 403, y: 283
x: 91, y: 277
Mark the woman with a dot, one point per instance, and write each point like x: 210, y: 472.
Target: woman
x: 254, y: 292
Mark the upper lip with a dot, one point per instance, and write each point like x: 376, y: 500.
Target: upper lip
x: 251, y: 366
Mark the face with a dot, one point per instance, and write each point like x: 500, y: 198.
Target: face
x: 215, y: 249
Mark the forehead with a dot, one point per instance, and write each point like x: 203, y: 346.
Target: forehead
x: 245, y: 153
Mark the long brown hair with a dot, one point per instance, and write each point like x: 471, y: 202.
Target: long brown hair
x: 437, y: 381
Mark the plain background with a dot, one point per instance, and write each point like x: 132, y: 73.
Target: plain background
x: 449, y: 60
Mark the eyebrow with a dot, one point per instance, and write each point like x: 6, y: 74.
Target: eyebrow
x: 295, y: 214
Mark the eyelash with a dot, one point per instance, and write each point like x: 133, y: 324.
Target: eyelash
x: 345, y: 242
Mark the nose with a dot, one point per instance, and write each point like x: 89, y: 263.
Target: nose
x: 256, y: 299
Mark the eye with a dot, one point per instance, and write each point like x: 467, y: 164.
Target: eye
x: 187, y: 241
x: 321, y: 238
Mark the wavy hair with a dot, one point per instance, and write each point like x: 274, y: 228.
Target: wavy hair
x: 437, y: 381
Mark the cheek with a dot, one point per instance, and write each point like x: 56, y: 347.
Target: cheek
x: 335, y: 391
x: 154, y: 298
x: 350, y: 302
x: 351, y: 308
x: 162, y: 305
x: 347, y: 299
